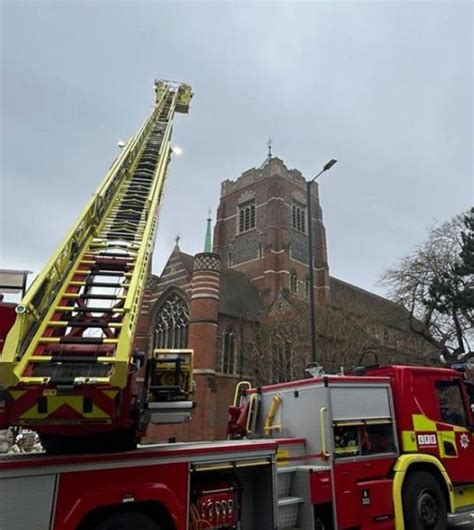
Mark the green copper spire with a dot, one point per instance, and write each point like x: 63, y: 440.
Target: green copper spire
x: 208, y: 241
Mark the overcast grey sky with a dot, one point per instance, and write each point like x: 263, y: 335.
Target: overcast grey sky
x: 384, y: 87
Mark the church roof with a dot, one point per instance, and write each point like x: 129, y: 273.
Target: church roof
x: 239, y: 297
x: 376, y: 307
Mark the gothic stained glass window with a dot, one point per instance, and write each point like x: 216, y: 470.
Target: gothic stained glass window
x: 172, y: 323
x: 228, y: 352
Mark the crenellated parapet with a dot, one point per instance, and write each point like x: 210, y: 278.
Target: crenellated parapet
x: 271, y: 167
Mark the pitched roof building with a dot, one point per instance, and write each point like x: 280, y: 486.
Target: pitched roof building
x: 243, y: 307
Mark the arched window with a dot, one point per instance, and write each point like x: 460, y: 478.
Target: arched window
x: 283, y: 361
x: 298, y: 217
x: 293, y: 282
x: 246, y: 216
x: 172, y: 323
x: 228, y: 352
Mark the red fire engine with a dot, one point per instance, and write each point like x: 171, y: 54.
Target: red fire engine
x: 384, y: 448
x: 391, y: 449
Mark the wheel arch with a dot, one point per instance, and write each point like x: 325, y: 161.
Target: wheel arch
x: 154, y: 509
x: 408, y: 464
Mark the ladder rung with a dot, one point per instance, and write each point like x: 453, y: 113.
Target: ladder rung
x: 114, y: 255
x: 111, y: 266
x: 102, y: 263
x: 126, y: 236
x: 128, y: 214
x: 76, y: 340
x: 100, y: 284
x: 90, y: 309
x: 71, y: 359
x: 139, y: 227
x: 108, y: 224
x: 129, y: 237
x: 79, y: 324
x: 98, y: 239
x: 87, y: 272
x: 77, y: 380
x: 94, y: 296
x: 120, y: 228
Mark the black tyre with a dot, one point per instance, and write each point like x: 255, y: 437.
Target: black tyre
x: 424, y: 504
x: 127, y: 521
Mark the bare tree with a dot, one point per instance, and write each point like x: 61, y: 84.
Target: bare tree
x: 415, y: 280
x: 280, y: 347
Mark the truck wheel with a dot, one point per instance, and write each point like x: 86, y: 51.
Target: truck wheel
x: 424, y: 504
x: 127, y: 521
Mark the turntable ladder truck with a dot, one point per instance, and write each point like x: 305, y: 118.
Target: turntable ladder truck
x: 67, y: 369
x: 383, y: 448
x: 392, y: 449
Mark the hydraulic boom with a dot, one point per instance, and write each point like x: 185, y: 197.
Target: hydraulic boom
x: 68, y: 358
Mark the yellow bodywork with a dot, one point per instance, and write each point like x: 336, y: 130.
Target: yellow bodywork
x: 400, y: 471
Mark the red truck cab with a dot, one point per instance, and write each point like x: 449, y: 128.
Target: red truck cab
x: 433, y: 412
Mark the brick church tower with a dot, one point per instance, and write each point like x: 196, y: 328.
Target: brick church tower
x: 262, y: 231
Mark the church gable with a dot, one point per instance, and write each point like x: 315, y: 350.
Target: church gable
x: 177, y: 273
x: 280, y: 305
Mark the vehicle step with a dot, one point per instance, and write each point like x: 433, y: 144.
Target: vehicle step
x: 286, y: 501
x: 289, y: 469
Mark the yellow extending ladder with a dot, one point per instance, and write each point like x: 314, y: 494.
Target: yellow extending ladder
x: 76, y: 324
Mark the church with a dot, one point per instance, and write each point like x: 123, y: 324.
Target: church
x: 242, y: 304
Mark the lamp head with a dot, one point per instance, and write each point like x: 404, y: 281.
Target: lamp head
x: 329, y: 164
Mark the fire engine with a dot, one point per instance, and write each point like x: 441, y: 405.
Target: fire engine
x: 389, y: 448
x: 378, y: 448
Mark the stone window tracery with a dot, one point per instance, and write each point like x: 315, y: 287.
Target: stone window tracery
x: 172, y: 323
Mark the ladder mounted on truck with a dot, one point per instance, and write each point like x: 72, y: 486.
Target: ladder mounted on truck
x: 68, y: 357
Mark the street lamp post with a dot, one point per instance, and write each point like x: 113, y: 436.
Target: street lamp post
x: 312, y: 315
